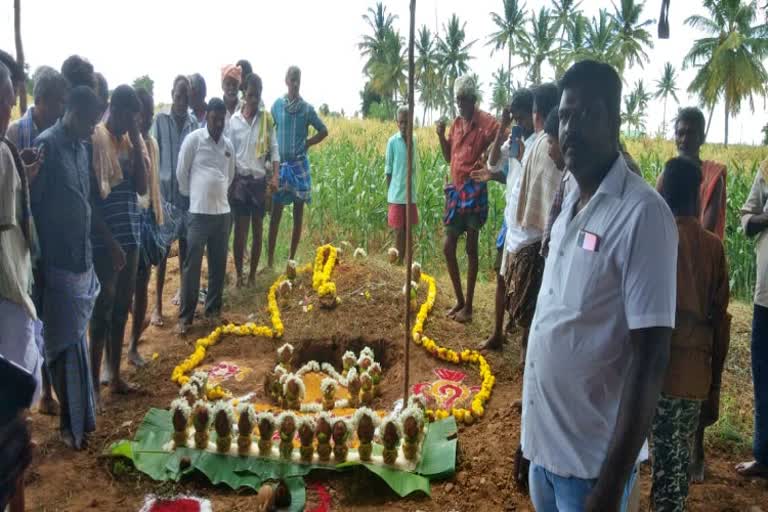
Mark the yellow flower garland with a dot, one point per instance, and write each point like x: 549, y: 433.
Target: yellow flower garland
x: 179, y: 373
x: 321, y: 277
x: 321, y: 282
x: 477, y: 409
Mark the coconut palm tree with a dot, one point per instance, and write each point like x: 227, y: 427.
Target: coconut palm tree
x: 388, y: 70
x: 537, y: 46
x: 499, y: 95
x: 564, y: 14
x: 428, y: 80
x: 511, y: 28
x: 631, y: 33
x: 574, y: 47
x: 629, y: 115
x: 478, y: 86
x: 635, y: 108
x: 453, y: 55
x: 380, y: 23
x: 729, y: 60
x: 643, y: 96
x: 601, y: 42
x: 666, y: 86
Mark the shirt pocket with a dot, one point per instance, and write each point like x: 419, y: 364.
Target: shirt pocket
x: 581, y: 279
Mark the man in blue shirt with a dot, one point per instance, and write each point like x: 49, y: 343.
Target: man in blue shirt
x: 293, y: 116
x: 61, y: 206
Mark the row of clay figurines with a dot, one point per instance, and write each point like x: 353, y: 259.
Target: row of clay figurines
x: 361, y: 377
x: 406, y: 427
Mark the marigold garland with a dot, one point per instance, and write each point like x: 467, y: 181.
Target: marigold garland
x: 325, y: 261
x: 322, y: 275
x: 477, y: 409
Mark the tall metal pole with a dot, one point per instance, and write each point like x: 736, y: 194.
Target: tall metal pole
x: 20, y: 56
x: 408, y: 201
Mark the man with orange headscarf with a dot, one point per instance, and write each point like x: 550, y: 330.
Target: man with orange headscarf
x: 231, y: 78
x: 689, y: 137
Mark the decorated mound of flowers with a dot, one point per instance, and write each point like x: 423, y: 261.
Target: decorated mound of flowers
x: 361, y: 374
x: 318, y: 437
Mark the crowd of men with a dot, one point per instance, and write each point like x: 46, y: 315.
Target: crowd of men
x: 619, y: 291
x: 95, y: 190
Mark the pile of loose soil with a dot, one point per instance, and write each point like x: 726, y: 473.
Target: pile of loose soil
x: 62, y: 480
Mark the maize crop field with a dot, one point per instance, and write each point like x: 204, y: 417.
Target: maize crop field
x: 350, y: 194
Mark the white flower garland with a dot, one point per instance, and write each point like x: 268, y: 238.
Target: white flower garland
x: 326, y: 384
x: 189, y: 387
x: 204, y: 405
x: 300, y: 383
x: 283, y: 348
x: 311, y: 408
x: 223, y: 405
x: 248, y: 410
x: 180, y: 404
x: 365, y: 411
x: 329, y: 370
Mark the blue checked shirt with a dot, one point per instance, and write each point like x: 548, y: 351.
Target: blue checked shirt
x: 169, y: 139
x: 293, y: 129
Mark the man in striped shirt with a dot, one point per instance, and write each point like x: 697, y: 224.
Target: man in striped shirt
x: 170, y: 130
x: 119, y: 171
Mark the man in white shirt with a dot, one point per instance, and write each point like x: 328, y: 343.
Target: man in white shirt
x: 531, y: 186
x: 600, y: 338
x: 520, y: 111
x: 254, y: 138
x: 754, y: 220
x: 206, y: 169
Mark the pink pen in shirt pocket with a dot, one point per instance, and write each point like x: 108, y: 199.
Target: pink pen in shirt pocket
x: 588, y: 241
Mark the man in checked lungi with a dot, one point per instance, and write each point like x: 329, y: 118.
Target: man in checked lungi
x: 292, y: 117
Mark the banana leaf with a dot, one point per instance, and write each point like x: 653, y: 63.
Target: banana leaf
x: 146, y: 451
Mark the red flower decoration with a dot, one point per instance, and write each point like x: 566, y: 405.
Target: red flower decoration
x: 450, y: 375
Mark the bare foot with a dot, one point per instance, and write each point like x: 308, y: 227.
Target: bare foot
x: 494, y: 342
x: 120, y: 387
x: 464, y: 316
x: 68, y: 439
x: 455, y: 309
x: 97, y: 402
x: 135, y: 359
x: 106, y: 375
x: 48, y: 406
x: 696, y: 471
x: 182, y: 329
x: 157, y: 319
x: 752, y: 469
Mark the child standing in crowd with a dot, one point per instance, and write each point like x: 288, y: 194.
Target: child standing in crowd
x: 395, y: 166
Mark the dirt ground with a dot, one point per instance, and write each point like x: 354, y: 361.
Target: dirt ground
x: 62, y: 480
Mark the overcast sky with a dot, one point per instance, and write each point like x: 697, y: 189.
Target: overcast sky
x: 163, y: 38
